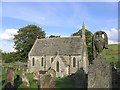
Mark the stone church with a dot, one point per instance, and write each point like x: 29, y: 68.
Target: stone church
x: 65, y: 55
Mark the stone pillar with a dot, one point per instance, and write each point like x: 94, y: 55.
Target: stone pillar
x: 100, y: 74
x: 84, y: 51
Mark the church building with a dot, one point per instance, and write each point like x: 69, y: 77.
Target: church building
x: 66, y: 55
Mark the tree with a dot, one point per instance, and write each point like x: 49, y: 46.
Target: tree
x: 88, y: 36
x: 8, y: 57
x: 53, y: 36
x: 25, y: 39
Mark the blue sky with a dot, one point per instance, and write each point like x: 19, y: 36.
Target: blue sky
x: 58, y: 18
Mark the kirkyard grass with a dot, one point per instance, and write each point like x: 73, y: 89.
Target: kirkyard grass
x: 60, y: 82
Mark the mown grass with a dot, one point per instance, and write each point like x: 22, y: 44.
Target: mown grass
x: 60, y: 82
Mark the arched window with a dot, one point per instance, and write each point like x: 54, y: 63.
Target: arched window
x: 33, y: 62
x: 51, y: 59
x: 42, y: 61
x: 57, y: 66
x: 78, y: 64
x: 74, y: 62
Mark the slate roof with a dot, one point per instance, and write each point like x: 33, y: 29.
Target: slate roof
x: 64, y: 45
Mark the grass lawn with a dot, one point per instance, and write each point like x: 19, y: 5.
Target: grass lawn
x: 60, y: 82
x: 111, y: 54
x: 64, y: 83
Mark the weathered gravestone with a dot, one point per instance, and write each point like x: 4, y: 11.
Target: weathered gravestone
x: 79, y: 78
x: 115, y: 77
x: 53, y: 78
x: 100, y: 72
x: 20, y: 77
x: 47, y: 80
x: 9, y: 82
x: 35, y: 75
x: 25, y: 79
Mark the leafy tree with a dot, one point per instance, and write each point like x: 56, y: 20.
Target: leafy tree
x: 25, y: 39
x: 88, y: 36
x: 8, y: 57
x: 53, y: 36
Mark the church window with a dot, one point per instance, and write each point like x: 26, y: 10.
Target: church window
x: 74, y: 62
x: 57, y: 66
x: 42, y: 61
x: 78, y: 64
x: 33, y: 62
x: 51, y: 59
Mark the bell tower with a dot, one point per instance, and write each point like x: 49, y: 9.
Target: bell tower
x: 84, y: 51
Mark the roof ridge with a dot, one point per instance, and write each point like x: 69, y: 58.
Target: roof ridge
x: 60, y: 38
x: 49, y: 46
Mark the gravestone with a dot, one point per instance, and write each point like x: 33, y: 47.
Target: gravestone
x: 100, y: 72
x: 36, y: 75
x: 9, y: 82
x: 47, y: 80
x: 20, y: 77
x: 115, y: 77
x: 41, y: 81
x: 25, y: 79
x: 79, y: 78
x: 53, y: 78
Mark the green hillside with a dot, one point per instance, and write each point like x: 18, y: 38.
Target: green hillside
x: 111, y: 53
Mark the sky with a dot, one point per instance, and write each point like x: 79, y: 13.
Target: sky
x: 58, y: 18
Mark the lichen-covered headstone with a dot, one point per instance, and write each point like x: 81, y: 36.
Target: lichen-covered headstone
x: 9, y: 82
x: 35, y: 77
x: 47, y: 80
x: 100, y: 72
x: 25, y: 79
x: 53, y: 78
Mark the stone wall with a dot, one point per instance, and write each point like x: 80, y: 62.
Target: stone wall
x: 47, y: 63
x: 77, y: 65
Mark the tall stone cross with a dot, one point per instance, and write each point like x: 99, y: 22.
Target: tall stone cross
x: 84, y: 50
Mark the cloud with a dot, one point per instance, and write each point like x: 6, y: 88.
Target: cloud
x: 112, y: 42
x: 8, y: 34
x: 112, y: 35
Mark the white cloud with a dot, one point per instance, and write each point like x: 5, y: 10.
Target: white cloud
x: 8, y: 34
x: 112, y: 42
x: 112, y: 36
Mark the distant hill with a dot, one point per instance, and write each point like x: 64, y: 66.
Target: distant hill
x: 111, y: 53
